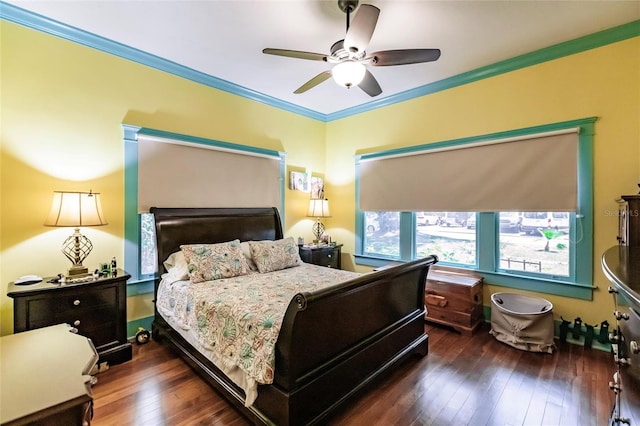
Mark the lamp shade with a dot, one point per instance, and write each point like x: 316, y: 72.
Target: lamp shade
x: 318, y: 208
x: 348, y: 73
x: 75, y: 209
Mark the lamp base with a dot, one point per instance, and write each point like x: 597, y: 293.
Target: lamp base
x: 318, y: 230
x: 76, y: 248
x: 77, y: 270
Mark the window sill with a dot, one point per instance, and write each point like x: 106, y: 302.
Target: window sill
x: 502, y: 279
x: 376, y: 261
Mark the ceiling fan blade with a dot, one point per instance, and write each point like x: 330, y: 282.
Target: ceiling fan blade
x: 313, y: 82
x: 296, y: 54
x: 370, y: 85
x: 404, y: 56
x: 361, y: 29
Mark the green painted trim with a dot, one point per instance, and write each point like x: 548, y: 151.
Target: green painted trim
x: 584, y: 250
x: 538, y: 284
x: 133, y: 325
x: 139, y: 287
x: 131, y: 219
x: 375, y: 262
x: 407, y: 222
x: 486, y: 240
x: 17, y: 15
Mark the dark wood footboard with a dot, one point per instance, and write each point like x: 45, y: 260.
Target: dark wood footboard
x: 332, y: 343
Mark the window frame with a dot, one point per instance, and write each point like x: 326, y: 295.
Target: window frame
x: 578, y: 285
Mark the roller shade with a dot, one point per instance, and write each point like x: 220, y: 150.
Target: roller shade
x: 535, y: 173
x: 174, y: 173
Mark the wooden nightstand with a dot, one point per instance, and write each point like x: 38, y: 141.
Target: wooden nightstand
x: 324, y: 256
x: 97, y: 309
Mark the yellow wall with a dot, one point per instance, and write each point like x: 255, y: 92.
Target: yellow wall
x: 62, y: 106
x: 61, y: 113
x: 603, y: 82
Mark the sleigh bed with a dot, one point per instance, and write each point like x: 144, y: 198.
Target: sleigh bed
x: 332, y: 341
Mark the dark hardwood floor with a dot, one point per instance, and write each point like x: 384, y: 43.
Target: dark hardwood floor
x: 462, y: 381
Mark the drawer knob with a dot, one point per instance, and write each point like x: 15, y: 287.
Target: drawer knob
x: 329, y: 255
x: 76, y: 302
x: 634, y: 346
x: 76, y: 323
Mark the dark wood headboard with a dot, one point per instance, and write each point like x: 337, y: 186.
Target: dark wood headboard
x: 177, y: 226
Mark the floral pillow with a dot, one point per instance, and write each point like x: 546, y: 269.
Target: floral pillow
x: 207, y: 262
x: 246, y: 249
x: 275, y: 255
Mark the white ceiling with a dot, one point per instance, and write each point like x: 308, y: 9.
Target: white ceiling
x: 225, y: 38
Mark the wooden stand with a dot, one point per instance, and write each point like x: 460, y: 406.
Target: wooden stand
x: 454, y: 300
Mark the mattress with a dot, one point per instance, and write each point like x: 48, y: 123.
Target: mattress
x: 235, y: 321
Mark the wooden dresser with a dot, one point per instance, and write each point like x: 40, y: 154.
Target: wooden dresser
x: 621, y: 265
x: 454, y: 299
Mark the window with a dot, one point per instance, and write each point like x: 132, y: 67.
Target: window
x: 535, y: 242
x: 452, y: 237
x: 382, y: 234
x: 148, y: 254
x: 544, y: 246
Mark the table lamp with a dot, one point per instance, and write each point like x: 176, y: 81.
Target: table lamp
x: 318, y: 208
x: 76, y: 209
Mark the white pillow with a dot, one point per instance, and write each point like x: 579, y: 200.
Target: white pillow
x: 176, y: 266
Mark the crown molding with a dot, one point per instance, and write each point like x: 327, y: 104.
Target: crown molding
x: 17, y: 15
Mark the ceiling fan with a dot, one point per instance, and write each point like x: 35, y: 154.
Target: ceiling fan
x: 349, y: 56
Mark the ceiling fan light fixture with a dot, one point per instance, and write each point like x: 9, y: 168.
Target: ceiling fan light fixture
x: 348, y: 73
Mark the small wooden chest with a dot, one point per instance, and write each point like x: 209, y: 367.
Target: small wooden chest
x: 454, y: 299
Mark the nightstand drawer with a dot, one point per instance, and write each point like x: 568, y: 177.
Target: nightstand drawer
x: 71, y: 304
x: 84, y: 318
x: 322, y: 256
x: 326, y: 258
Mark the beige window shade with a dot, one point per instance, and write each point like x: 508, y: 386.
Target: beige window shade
x: 173, y: 173
x: 533, y: 174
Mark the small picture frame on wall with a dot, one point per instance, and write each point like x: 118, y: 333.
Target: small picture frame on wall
x: 317, y: 188
x: 298, y: 181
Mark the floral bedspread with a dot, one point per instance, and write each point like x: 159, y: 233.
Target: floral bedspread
x: 240, y: 318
